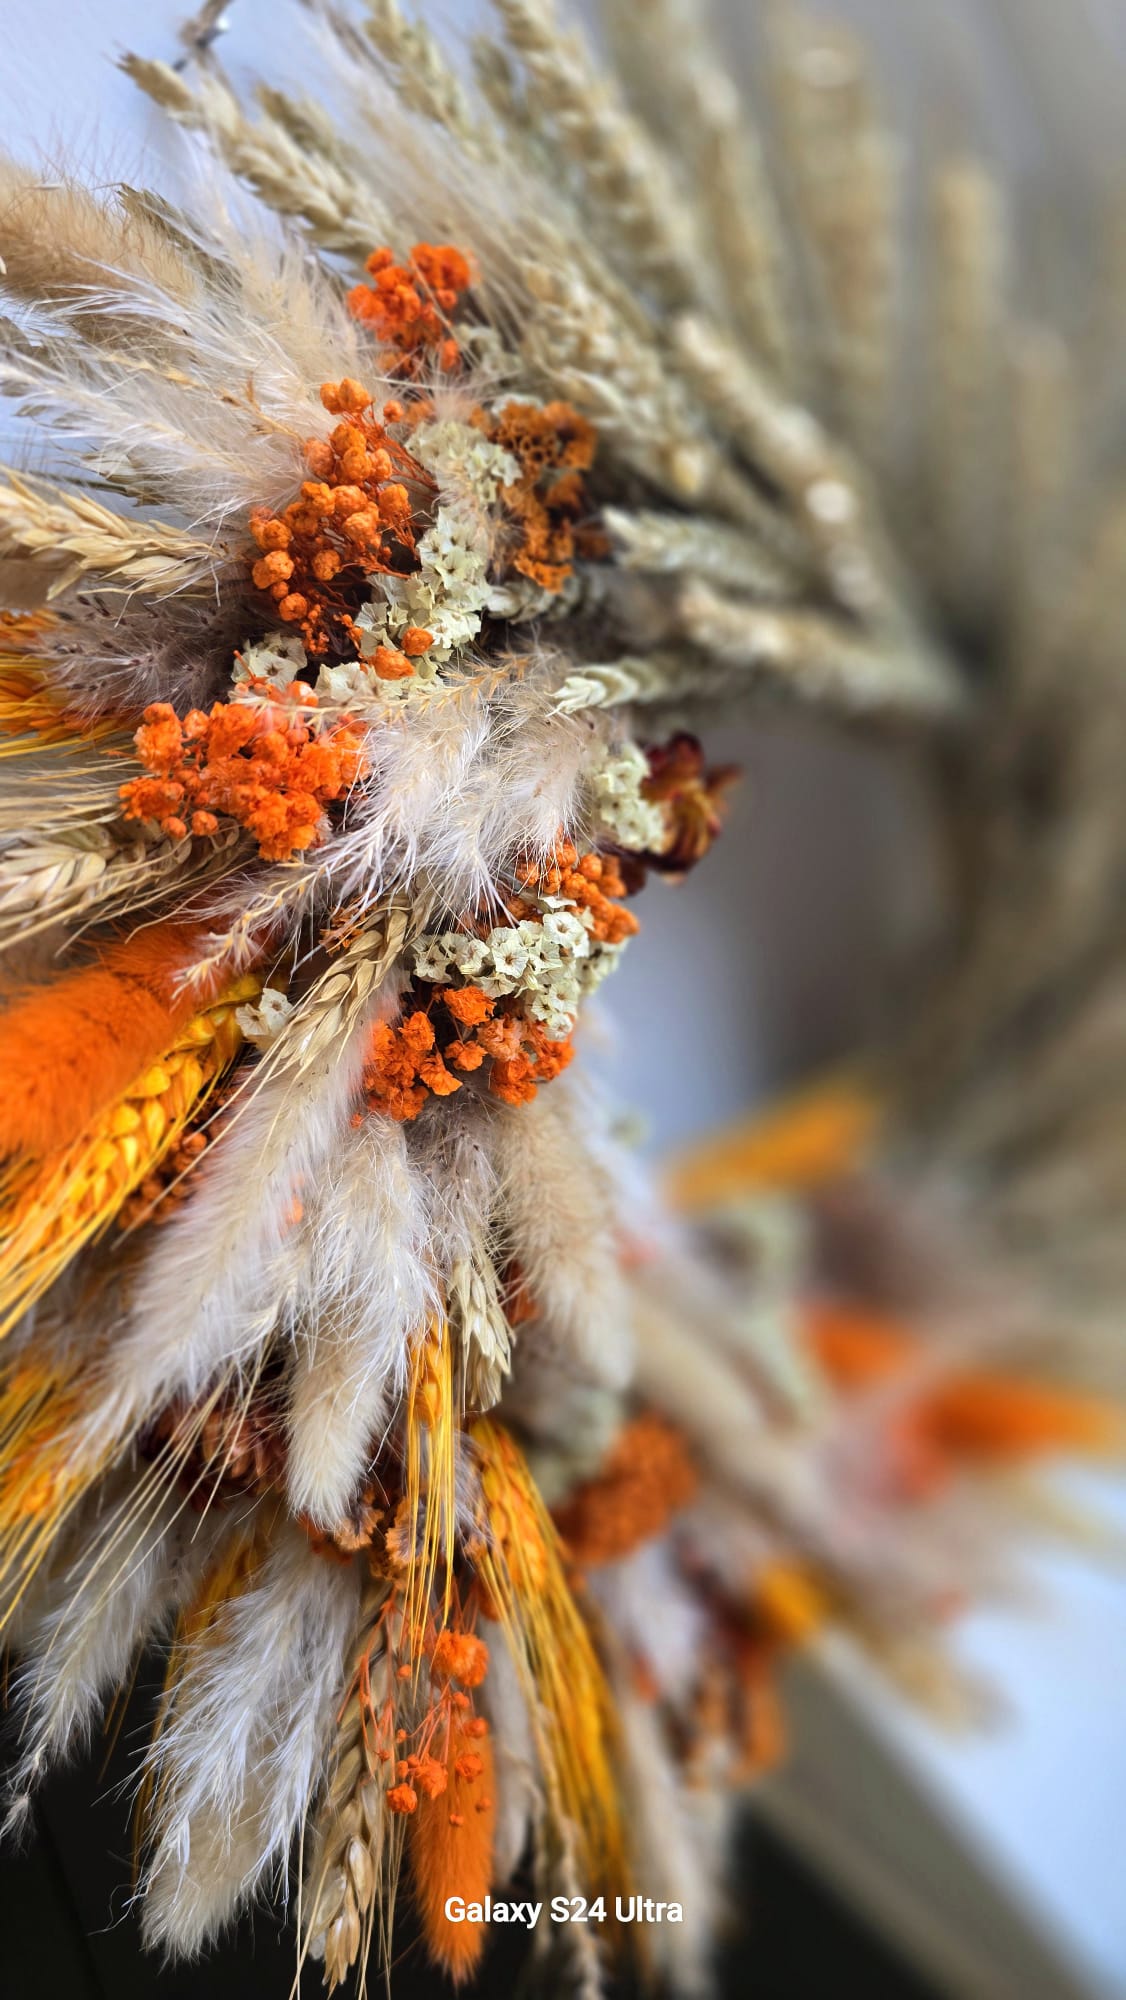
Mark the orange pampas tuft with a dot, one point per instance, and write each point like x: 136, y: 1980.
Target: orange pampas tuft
x: 451, y: 1854
x: 71, y: 1047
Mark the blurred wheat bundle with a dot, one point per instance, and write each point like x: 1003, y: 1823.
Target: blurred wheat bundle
x: 389, y: 550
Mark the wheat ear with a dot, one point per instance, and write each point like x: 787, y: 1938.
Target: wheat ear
x: 52, y: 1213
x: 71, y: 538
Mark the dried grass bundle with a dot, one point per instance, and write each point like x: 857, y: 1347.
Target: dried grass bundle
x: 556, y: 407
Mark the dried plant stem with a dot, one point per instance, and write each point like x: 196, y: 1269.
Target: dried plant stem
x: 818, y: 660
x: 423, y: 78
x: 966, y: 370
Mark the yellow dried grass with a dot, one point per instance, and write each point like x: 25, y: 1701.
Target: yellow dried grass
x: 50, y: 1211
x: 569, y: 1701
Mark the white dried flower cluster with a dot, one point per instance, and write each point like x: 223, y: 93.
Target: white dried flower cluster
x: 551, y: 961
x: 262, y: 1022
x: 450, y: 592
x: 278, y: 658
x: 623, y: 813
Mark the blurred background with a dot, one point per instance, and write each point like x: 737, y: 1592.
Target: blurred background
x: 888, y: 1858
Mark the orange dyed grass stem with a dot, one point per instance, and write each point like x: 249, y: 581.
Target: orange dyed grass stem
x: 450, y: 1850
x: 70, y: 1047
x: 967, y: 1414
x: 42, y: 1475
x: 431, y: 1447
x: 525, y: 1589
x: 800, y: 1144
x: 51, y: 1211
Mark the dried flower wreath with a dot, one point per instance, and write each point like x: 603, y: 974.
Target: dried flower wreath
x: 474, y: 1500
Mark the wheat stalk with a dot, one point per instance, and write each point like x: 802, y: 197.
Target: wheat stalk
x: 350, y: 1847
x: 34, y: 715
x: 664, y: 543
x: 844, y: 176
x: 423, y: 78
x: 338, y: 213
x: 72, y: 537
x: 966, y: 376
x: 610, y: 684
x: 334, y: 1005
x: 629, y: 194
x: 55, y: 880
x: 40, y: 874
x: 53, y: 1211
x: 679, y: 87
x: 818, y: 660
x: 477, y: 1316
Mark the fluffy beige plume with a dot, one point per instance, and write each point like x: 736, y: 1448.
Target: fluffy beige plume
x: 519, y: 1786
x: 135, y: 1559
x: 368, y: 1291
x: 232, y: 1266
x: 60, y: 244
x: 241, y: 1748
x: 558, y: 1222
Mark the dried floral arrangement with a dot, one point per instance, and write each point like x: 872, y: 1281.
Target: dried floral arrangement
x: 391, y: 550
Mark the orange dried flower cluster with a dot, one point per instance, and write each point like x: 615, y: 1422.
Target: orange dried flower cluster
x: 459, y: 1656
x: 647, y: 1477
x: 546, y: 505
x: 592, y: 882
x: 412, y: 1059
x: 261, y: 765
x: 408, y: 306
x: 449, y: 1727
x: 459, y: 1028
x: 353, y: 518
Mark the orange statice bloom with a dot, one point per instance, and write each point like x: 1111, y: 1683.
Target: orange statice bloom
x: 459, y: 1656
x: 408, y: 306
x: 352, y: 519
x: 411, y: 1060
x: 264, y: 766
